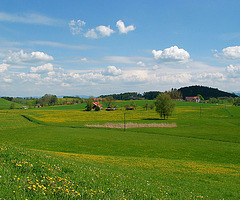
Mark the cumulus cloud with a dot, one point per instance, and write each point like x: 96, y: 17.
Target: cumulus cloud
x: 136, y: 76
x: 100, y: 31
x: 176, y: 78
x: 93, y: 77
x: 91, y: 34
x: 122, y: 28
x: 8, y: 80
x: 29, y: 77
x: 231, y: 53
x: 112, y: 71
x: 42, y: 69
x: 172, y: 54
x: 76, y: 27
x: 3, y: 67
x: 217, y: 76
x: 233, y: 71
x: 105, y: 30
x: 27, y: 58
x: 140, y: 63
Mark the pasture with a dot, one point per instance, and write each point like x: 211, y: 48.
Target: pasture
x: 49, y: 153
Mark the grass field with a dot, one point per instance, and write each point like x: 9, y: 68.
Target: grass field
x: 48, y: 153
x: 5, y: 104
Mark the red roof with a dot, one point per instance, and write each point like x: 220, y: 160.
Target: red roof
x: 192, y: 98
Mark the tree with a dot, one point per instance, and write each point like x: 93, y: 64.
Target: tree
x: 164, y: 105
x: 236, y: 101
x: 89, y: 103
x: 109, y: 101
x: 201, y: 97
x: 174, y: 94
x: 48, y: 99
x: 151, y: 106
x: 145, y: 105
x: 12, y: 106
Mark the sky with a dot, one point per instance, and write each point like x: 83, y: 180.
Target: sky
x: 102, y: 47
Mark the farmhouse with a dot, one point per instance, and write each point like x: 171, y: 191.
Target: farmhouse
x: 193, y: 99
x: 97, y: 104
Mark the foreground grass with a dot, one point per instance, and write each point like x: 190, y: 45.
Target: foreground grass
x: 198, y: 159
x: 29, y: 174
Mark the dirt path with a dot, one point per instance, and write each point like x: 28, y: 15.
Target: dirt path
x: 132, y: 125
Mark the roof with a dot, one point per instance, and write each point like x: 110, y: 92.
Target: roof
x: 192, y: 98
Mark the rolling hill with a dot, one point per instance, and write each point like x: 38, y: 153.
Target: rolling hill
x: 206, y: 92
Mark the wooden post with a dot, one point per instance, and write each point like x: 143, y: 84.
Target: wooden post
x: 124, y: 122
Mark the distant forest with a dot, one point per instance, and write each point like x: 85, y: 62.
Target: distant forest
x: 206, y: 92
x: 191, y: 91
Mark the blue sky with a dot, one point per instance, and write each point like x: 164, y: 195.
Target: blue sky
x: 103, y: 47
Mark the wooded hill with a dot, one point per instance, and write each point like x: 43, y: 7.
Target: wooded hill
x: 206, y: 92
x: 191, y: 91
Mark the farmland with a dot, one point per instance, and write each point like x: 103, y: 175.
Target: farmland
x: 49, y: 153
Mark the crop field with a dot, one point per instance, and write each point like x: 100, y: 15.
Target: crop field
x: 49, y: 153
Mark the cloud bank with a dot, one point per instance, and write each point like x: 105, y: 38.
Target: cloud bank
x: 27, y: 58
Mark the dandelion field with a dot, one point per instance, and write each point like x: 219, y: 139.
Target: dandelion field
x: 52, y: 155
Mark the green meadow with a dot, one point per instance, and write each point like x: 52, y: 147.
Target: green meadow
x: 49, y: 153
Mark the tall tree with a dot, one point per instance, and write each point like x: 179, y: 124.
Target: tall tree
x: 164, y: 105
x: 89, y: 103
x: 109, y: 101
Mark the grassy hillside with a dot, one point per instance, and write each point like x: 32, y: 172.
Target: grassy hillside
x: 5, y: 104
x: 198, y: 159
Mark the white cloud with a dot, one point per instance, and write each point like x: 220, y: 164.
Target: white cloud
x: 142, y: 64
x: 105, y: 31
x: 8, y: 80
x: 51, y: 73
x: 233, y: 71
x: 42, y: 69
x: 93, y: 77
x: 84, y: 59
x: 137, y: 76
x: 91, y: 34
x: 29, y: 77
x: 3, y: 67
x: 172, y: 54
x: 100, y: 31
x: 112, y: 71
x: 29, y: 18
x: 175, y: 78
x: 217, y: 76
x: 27, y: 58
x: 231, y: 53
x: 76, y: 26
x: 122, y: 28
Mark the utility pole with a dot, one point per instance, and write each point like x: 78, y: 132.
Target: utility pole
x: 124, y: 122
